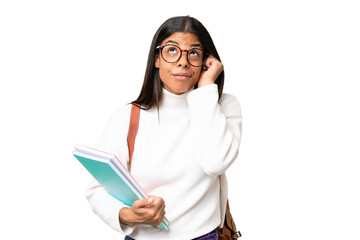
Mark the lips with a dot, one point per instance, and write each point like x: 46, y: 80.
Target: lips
x: 181, y: 76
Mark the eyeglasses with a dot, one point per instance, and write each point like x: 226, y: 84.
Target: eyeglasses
x: 172, y: 53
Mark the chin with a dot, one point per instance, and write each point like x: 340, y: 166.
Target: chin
x: 178, y: 91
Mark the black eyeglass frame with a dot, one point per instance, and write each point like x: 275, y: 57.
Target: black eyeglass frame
x: 187, y: 54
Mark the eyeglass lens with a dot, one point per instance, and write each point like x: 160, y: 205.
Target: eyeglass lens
x: 173, y: 53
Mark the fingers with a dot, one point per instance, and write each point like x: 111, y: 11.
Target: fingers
x: 158, y: 202
x: 158, y: 214
x: 160, y: 210
x: 143, y: 203
x: 157, y: 211
x: 213, y: 69
x: 149, y: 211
x: 162, y: 217
x: 213, y: 62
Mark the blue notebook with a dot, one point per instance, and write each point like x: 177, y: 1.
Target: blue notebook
x: 113, y: 176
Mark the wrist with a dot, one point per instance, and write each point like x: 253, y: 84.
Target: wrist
x: 205, y: 83
x: 125, y: 217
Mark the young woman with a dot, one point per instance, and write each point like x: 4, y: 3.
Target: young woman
x: 188, y: 136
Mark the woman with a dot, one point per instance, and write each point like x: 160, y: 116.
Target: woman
x: 188, y: 136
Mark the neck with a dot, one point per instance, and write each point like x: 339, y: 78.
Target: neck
x: 173, y: 102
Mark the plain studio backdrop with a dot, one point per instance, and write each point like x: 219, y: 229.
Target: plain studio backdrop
x: 66, y: 66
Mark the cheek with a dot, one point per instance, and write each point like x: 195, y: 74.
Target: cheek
x: 197, y: 75
x: 163, y: 72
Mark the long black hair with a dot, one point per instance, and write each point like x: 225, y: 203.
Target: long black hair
x: 151, y: 91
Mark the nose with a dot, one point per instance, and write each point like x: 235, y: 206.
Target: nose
x: 183, y: 62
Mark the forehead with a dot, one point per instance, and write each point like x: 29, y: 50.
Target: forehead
x: 182, y: 39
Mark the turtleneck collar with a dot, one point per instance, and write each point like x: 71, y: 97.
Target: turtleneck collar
x: 173, y: 102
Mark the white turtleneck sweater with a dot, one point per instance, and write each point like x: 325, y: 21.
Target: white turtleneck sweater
x: 181, y: 158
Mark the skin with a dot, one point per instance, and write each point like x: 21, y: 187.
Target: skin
x: 178, y: 78
x: 149, y: 211
x: 181, y: 84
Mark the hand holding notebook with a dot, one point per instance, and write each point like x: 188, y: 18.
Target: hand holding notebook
x: 117, y: 181
x: 146, y: 211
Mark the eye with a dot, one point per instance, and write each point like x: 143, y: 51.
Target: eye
x: 193, y: 53
x: 196, y: 53
x: 172, y: 50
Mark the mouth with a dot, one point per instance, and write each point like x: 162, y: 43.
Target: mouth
x: 181, y: 76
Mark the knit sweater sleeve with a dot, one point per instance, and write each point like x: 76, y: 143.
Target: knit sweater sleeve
x: 216, y: 126
x: 113, y: 140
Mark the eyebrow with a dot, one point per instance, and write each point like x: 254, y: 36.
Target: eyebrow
x: 192, y: 45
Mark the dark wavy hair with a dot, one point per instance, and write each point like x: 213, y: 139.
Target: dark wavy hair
x: 151, y: 91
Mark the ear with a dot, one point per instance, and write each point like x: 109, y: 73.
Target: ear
x: 157, y: 61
